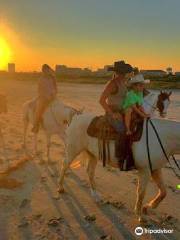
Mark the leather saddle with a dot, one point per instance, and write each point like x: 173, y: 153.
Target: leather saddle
x: 101, y: 129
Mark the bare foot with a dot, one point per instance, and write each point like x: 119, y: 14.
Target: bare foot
x: 128, y: 133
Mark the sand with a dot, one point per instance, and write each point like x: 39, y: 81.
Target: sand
x: 30, y: 205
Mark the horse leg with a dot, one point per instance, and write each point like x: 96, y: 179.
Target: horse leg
x: 141, y: 189
x: 35, y: 143
x: 91, y: 172
x: 48, y: 147
x: 64, y: 168
x: 25, y: 132
x: 157, y: 177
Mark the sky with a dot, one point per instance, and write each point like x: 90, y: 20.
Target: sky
x: 90, y: 33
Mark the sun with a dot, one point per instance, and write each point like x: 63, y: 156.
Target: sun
x: 5, y: 53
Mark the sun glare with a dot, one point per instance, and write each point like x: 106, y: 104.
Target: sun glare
x: 5, y: 53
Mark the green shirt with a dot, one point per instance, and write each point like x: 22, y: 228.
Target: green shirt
x: 132, y: 98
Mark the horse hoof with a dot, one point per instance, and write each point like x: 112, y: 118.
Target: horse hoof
x: 142, y: 220
x: 61, y: 190
x: 97, y: 197
x: 145, y: 209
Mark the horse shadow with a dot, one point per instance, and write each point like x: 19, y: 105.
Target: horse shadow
x: 78, y: 210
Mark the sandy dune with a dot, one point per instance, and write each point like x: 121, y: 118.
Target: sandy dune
x: 30, y: 205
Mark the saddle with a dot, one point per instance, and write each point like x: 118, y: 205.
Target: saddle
x: 101, y: 129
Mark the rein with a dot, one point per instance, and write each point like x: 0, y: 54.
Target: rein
x: 162, y: 148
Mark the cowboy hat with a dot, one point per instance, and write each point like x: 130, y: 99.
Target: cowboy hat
x: 121, y: 67
x: 138, y: 79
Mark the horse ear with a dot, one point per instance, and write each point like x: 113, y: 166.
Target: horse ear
x: 170, y: 93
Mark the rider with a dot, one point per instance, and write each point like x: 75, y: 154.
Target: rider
x: 134, y: 100
x: 47, y: 91
x: 112, y: 99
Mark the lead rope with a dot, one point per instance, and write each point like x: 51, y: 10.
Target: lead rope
x: 174, y: 159
x: 162, y: 147
x: 147, y: 145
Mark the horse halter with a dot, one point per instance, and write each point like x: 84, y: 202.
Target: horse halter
x: 160, y: 102
x: 162, y: 97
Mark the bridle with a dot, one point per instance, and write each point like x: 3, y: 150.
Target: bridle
x: 156, y: 108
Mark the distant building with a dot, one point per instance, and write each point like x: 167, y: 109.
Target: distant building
x: 11, y: 68
x: 77, y: 72
x: 177, y: 73
x: 159, y: 73
x: 102, y: 72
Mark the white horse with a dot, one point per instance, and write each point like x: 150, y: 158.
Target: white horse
x: 55, y: 119
x: 169, y: 132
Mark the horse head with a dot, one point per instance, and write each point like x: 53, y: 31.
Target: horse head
x: 163, y: 102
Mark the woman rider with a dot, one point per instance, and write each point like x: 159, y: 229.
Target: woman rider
x: 47, y: 90
x: 112, y: 99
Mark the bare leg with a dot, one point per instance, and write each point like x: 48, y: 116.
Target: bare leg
x: 40, y: 109
x: 141, y: 189
x: 91, y: 172
x: 157, y: 177
x: 128, y: 120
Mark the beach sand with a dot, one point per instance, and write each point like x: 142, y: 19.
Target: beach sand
x: 30, y: 205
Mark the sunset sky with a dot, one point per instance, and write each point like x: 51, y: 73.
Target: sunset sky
x: 90, y: 33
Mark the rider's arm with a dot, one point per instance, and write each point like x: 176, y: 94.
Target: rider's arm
x: 103, y: 99
x: 140, y: 111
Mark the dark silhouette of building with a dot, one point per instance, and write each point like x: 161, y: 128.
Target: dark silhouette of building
x: 11, y: 68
